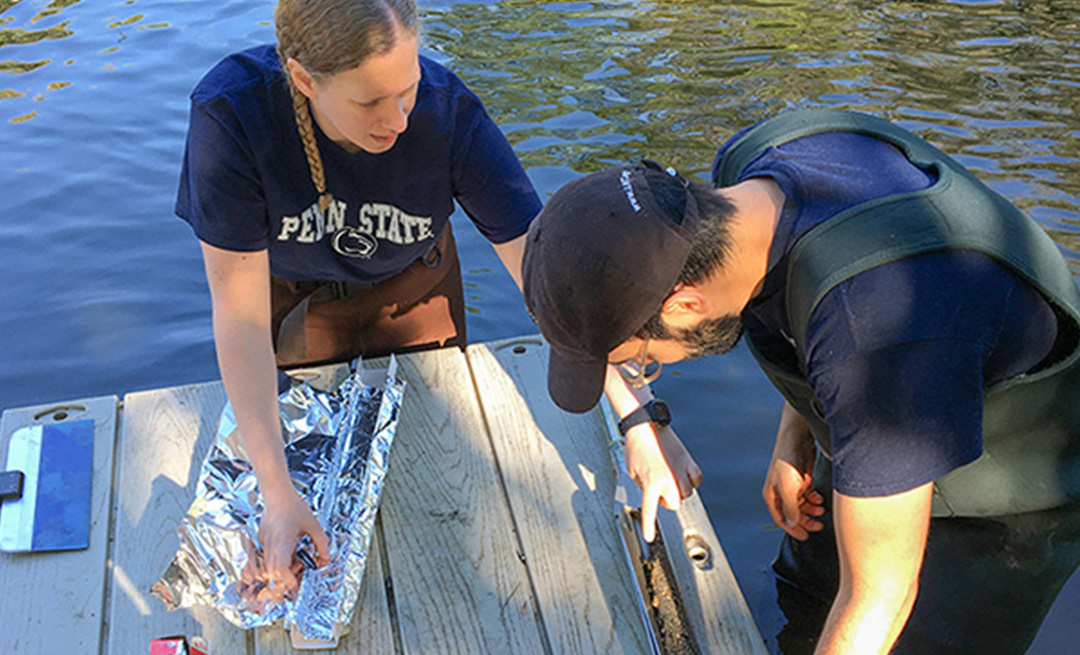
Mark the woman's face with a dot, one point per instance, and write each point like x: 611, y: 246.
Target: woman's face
x: 367, y: 107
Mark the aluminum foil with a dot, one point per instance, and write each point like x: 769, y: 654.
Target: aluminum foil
x: 337, y: 444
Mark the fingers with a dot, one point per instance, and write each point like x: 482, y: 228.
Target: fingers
x: 665, y: 493
x: 321, y: 542
x: 798, y: 517
x: 660, y: 464
x: 774, y: 502
x: 279, y: 561
x: 696, y: 476
x: 649, y: 501
x: 792, y: 524
x: 260, y: 585
x: 791, y: 500
x: 806, y: 523
x: 284, y: 525
x: 793, y: 505
x: 689, y: 481
x: 678, y: 463
x: 812, y: 504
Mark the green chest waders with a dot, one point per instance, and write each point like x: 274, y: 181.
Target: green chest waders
x: 1031, y: 423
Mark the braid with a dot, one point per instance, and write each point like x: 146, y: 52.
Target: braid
x: 306, y: 128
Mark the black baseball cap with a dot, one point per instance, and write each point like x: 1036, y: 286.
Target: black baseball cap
x: 600, y: 259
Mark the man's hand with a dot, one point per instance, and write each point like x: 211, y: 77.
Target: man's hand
x: 656, y: 460
x: 286, y: 518
x: 659, y: 463
x: 792, y: 503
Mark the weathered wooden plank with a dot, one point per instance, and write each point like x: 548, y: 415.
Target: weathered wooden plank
x: 164, y: 434
x: 54, y: 602
x: 560, y: 481
x: 710, y: 596
x: 714, y: 604
x: 459, y: 586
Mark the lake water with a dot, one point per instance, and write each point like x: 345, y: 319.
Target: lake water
x: 102, y: 288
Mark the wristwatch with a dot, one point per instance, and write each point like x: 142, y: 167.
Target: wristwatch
x: 655, y: 411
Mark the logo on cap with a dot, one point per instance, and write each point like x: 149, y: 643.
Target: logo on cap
x: 628, y: 189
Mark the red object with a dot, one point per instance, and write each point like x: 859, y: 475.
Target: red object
x: 169, y: 646
x: 179, y: 645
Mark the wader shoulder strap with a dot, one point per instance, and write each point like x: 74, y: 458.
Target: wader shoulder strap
x: 955, y: 213
x: 796, y: 124
x: 958, y: 211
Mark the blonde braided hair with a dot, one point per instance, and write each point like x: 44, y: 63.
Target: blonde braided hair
x: 330, y: 36
x: 311, y: 148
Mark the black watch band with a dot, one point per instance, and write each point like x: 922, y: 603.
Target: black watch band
x: 655, y: 411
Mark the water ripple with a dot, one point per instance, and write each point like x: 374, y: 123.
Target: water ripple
x: 93, y: 111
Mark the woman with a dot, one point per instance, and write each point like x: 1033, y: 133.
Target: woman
x: 319, y: 178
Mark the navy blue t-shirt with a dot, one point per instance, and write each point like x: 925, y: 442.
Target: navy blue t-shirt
x: 899, y: 355
x: 246, y: 186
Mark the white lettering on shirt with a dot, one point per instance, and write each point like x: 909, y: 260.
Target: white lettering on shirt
x: 375, y: 222
x: 289, y: 225
x: 311, y: 223
x: 379, y: 211
x: 335, y: 216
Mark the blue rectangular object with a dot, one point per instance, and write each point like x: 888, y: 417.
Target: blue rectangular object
x: 53, y: 512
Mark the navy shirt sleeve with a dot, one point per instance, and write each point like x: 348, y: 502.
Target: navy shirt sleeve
x: 221, y: 193
x: 899, y: 358
x: 489, y: 182
x: 890, y: 435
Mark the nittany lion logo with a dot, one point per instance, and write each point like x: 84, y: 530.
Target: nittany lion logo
x: 350, y: 241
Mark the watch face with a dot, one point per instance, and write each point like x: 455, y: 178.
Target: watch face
x: 660, y: 413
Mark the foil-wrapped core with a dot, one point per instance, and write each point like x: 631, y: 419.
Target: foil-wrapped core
x: 337, y: 444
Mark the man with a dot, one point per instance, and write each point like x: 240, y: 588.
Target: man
x: 923, y: 331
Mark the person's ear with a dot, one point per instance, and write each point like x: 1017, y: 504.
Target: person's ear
x: 685, y: 304
x: 300, y: 77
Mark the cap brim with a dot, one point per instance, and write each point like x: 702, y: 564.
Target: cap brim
x: 574, y: 384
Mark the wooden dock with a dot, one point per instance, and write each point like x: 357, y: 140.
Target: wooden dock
x: 495, y: 534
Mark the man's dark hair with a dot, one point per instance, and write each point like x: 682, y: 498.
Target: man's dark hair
x: 711, y: 245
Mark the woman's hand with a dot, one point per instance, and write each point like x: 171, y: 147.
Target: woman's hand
x: 792, y: 502
x: 240, y: 291
x: 286, y: 518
